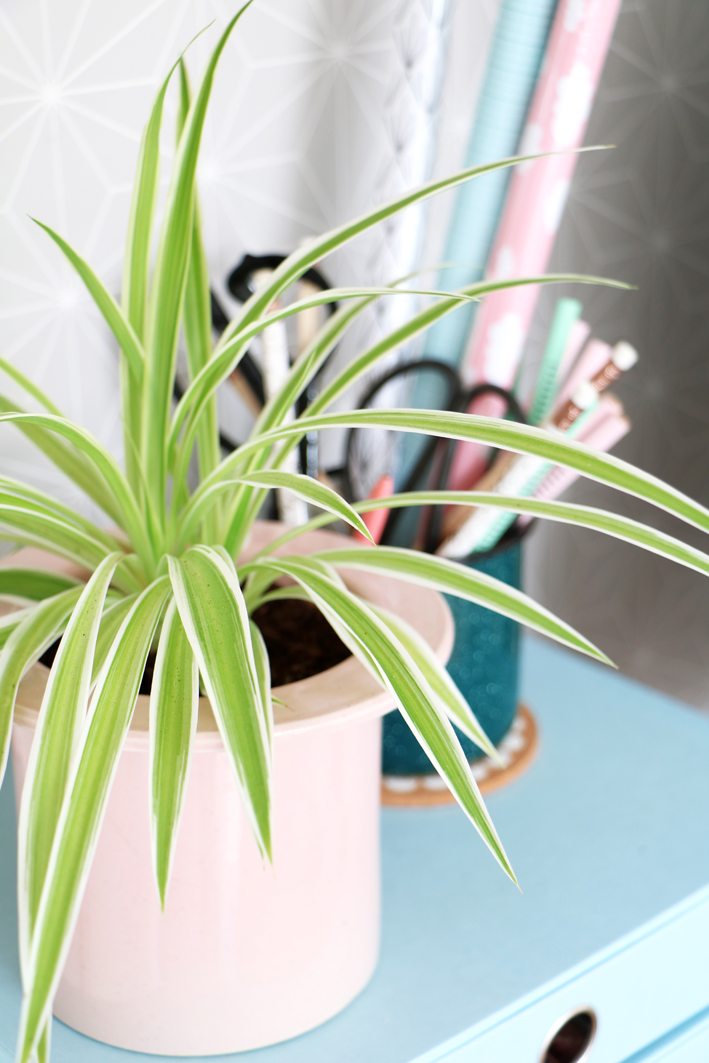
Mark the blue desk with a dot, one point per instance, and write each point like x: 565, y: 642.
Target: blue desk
x: 608, y: 832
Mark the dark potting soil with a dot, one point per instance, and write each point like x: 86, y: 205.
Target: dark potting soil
x: 299, y: 640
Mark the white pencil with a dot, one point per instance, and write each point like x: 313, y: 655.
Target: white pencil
x: 275, y: 364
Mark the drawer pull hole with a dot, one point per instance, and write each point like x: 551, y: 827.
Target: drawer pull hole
x: 572, y: 1039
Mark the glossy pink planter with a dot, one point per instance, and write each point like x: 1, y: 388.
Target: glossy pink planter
x: 245, y: 954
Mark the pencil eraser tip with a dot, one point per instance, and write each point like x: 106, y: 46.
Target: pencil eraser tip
x: 624, y: 356
x: 584, y: 396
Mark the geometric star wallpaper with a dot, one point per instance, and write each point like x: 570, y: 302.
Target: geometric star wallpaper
x: 321, y: 109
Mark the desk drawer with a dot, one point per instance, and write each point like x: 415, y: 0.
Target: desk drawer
x: 637, y: 992
x: 689, y: 1043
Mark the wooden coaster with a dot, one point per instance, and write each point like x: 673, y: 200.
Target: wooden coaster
x: 517, y: 750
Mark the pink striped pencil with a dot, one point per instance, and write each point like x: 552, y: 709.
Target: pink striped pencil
x: 591, y: 360
x: 376, y: 520
x: 603, y: 431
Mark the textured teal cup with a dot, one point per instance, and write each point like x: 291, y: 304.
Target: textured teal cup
x: 484, y: 664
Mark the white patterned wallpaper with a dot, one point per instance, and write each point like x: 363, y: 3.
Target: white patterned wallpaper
x: 296, y: 142
x: 310, y: 123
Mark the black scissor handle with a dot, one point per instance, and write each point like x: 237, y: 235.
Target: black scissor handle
x: 240, y: 281
x: 414, y: 365
x: 457, y: 399
x: 240, y: 284
x: 513, y: 409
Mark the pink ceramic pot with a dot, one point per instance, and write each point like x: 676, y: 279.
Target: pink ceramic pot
x: 245, y: 954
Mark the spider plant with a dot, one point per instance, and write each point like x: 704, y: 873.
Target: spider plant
x: 164, y: 573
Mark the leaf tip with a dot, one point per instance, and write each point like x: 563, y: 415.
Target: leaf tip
x: 494, y: 755
x: 508, y: 869
x: 364, y: 530
x: 162, y: 894
x: 265, y: 837
x: 603, y: 658
x: 161, y: 868
x: 266, y: 846
x: 592, y: 651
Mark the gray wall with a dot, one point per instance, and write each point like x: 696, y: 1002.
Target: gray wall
x: 641, y: 212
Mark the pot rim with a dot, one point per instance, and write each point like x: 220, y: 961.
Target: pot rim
x: 337, y: 696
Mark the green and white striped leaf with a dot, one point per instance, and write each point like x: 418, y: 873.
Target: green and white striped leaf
x: 106, y: 304
x: 439, y: 680
x: 197, y: 319
x: 32, y: 528
x: 59, y: 723
x: 103, y: 463
x: 36, y: 632
x: 306, y: 367
x: 33, y: 584
x: 451, y: 577
x: 174, y: 706
x: 225, y: 359
x: 600, y: 520
x: 10, y: 621
x: 263, y: 671
x: 83, y: 810
x: 214, y: 616
x: 29, y: 387
x: 169, y: 279
x: 424, y: 319
x: 14, y: 499
x: 309, y: 363
x: 83, y: 441
x: 617, y: 527
x: 363, y: 630
x: 67, y: 458
x: 113, y: 616
x: 280, y: 594
x: 15, y: 492
x: 43, y: 1045
x: 136, y: 272
x: 310, y: 490
x: 356, y: 369
x: 301, y: 373
x: 301, y: 260
x: 494, y: 432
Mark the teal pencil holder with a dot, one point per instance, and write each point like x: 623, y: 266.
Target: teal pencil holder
x: 484, y: 664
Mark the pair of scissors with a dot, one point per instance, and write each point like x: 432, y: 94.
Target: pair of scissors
x: 431, y: 467
x: 247, y: 379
